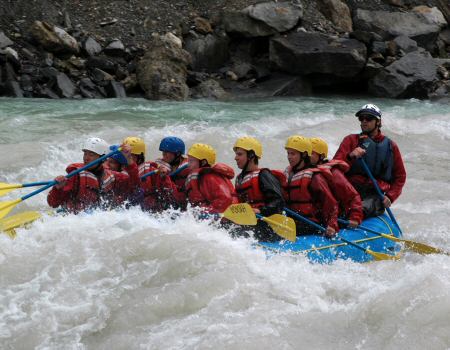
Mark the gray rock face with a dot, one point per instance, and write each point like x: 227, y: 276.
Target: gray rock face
x: 115, y: 89
x: 91, y: 47
x: 88, y: 89
x: 4, y: 41
x: 307, y: 53
x: 115, y: 48
x: 413, y: 76
x: 392, y: 24
x: 405, y: 44
x: 163, y: 70
x: 64, y: 86
x: 208, y: 52
x: 280, y: 16
x: 432, y: 15
x: 241, y: 24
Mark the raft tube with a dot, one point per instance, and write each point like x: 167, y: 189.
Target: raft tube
x: 320, y: 249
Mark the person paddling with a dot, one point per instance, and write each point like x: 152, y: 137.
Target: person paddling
x: 306, y: 189
x: 208, y: 184
x: 382, y: 156
x: 153, y: 194
x: 96, y: 186
x: 350, y: 205
x: 261, y: 188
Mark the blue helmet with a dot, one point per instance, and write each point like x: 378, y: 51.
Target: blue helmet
x: 172, y: 144
x: 118, y: 157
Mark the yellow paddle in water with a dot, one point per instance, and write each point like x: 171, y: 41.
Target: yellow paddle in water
x: 282, y: 225
x: 417, y: 247
x: 243, y: 214
x: 10, y: 223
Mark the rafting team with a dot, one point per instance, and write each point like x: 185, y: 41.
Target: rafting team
x: 320, y: 189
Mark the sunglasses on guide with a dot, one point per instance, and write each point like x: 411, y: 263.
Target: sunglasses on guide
x: 367, y: 118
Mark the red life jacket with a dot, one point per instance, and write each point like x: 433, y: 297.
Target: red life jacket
x: 112, y: 192
x: 192, y: 185
x: 85, y: 191
x: 298, y: 195
x: 248, y: 189
x: 148, y: 184
x: 335, y: 163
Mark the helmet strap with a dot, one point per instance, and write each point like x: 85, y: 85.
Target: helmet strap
x: 140, y: 159
x: 177, y: 160
x: 303, y: 159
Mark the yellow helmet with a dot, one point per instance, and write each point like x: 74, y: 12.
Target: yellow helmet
x: 202, y: 151
x: 299, y: 143
x: 319, y: 146
x: 249, y: 144
x: 137, y: 144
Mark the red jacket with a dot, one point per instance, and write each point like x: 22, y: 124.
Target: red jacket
x: 157, y: 190
x: 315, y: 195
x: 87, y: 190
x: 393, y: 189
x: 81, y: 192
x: 211, y: 188
x: 117, y: 187
x: 348, y: 198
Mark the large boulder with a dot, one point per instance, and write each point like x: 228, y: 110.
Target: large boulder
x: 392, y: 24
x: 281, y: 16
x: 413, y: 76
x: 162, y: 71
x: 306, y: 53
x: 54, y: 39
x: 338, y: 13
x: 239, y: 23
x: 208, y: 52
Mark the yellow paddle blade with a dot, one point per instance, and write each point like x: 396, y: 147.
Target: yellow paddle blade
x: 283, y: 226
x: 5, y: 188
x: 241, y: 214
x: 417, y: 247
x: 382, y: 256
x: 18, y: 220
x: 6, y: 207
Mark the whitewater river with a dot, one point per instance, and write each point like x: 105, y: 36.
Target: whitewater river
x: 128, y: 280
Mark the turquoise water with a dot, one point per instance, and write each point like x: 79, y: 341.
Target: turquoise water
x: 120, y: 280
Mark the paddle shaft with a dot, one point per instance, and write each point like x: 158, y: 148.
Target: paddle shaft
x: 380, y: 194
x: 32, y: 184
x: 68, y: 176
x: 321, y: 228
x: 172, y: 174
x: 52, y: 183
x: 346, y: 222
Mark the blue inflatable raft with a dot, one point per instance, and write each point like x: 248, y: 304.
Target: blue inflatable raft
x: 320, y: 249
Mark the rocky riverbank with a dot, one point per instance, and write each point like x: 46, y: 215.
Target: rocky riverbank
x: 225, y: 48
